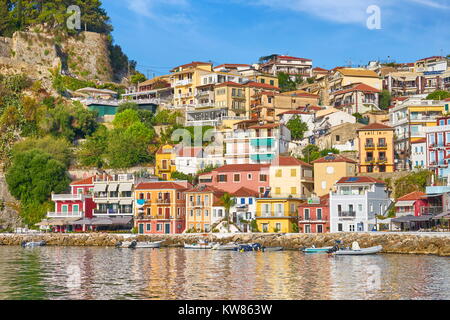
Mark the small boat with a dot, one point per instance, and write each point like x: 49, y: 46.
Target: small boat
x: 272, y: 249
x: 148, y: 245
x: 226, y: 247
x: 32, y: 244
x: 250, y: 247
x: 355, y: 250
x: 317, y: 250
x: 126, y: 244
x: 198, y: 246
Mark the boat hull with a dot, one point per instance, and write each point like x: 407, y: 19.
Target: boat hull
x: 317, y: 250
x: 148, y: 245
x: 364, y: 251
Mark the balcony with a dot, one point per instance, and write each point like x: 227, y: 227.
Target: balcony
x: 163, y: 201
x: 382, y: 146
x: 68, y: 214
x: 197, y: 204
x: 382, y: 160
x: 67, y: 197
x: 369, y: 146
x: 185, y: 82
x: 111, y: 212
x: 370, y: 160
x: 432, y: 210
x: 351, y: 214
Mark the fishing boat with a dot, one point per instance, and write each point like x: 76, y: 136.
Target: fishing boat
x: 148, y: 245
x: 126, y: 244
x: 32, y: 244
x: 226, y: 247
x: 250, y: 247
x: 272, y: 249
x: 202, y: 244
x: 313, y: 249
x: 355, y: 250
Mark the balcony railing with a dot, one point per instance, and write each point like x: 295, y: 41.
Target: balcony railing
x: 68, y: 214
x: 163, y: 201
x: 382, y: 146
x: 432, y: 210
x: 110, y: 212
x: 70, y: 197
x: 347, y: 214
x: 369, y: 145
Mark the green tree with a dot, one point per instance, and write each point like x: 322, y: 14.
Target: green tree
x: 312, y: 152
x: 92, y: 152
x: 228, y: 202
x: 385, y: 99
x: 166, y: 117
x: 125, y: 119
x: 297, y: 128
x: 415, y: 181
x: 438, y: 95
x: 137, y: 78
x: 285, y: 83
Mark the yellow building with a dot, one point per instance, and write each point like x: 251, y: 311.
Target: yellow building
x: 376, y: 148
x: 342, y: 77
x: 165, y: 162
x: 329, y: 170
x: 277, y: 214
x: 184, y: 80
x: 290, y: 177
x: 234, y: 97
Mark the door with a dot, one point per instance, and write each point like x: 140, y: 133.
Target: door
x: 167, y: 231
x: 75, y: 209
x: 141, y: 228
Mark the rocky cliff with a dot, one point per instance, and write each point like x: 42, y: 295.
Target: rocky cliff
x: 85, y: 56
x: 9, y: 217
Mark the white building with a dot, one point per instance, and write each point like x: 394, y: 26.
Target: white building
x: 419, y: 154
x: 189, y: 160
x: 356, y: 203
x: 329, y: 118
x: 244, y: 209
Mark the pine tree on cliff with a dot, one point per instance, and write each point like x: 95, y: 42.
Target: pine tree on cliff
x: 5, y: 19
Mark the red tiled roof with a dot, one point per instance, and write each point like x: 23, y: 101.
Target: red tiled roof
x: 399, y: 98
x: 433, y: 57
x: 192, y: 64
x: 232, y: 65
x: 159, y: 185
x: 205, y: 188
x: 261, y: 85
x: 319, y: 69
x: 160, y: 150
x: 239, y: 168
x: 324, y: 202
x: 334, y: 158
x: 421, y: 140
x: 189, y: 151
x: 293, y: 112
x: 375, y: 126
x: 360, y: 179
x: 448, y: 99
x: 289, y: 161
x: 245, y: 192
x: 89, y: 181
x: 265, y: 126
x: 416, y: 195
x: 358, y: 87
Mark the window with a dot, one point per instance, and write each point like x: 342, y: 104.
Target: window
x: 206, y: 200
x: 237, y: 177
x: 272, y: 83
x: 178, y: 212
x: 266, y: 209
x: 338, y: 138
x: 263, y: 177
x: 191, y: 213
x: 198, y: 212
x: 220, y: 213
x: 278, y: 173
x: 149, y: 211
x: 277, y: 190
x: 293, y: 190
x: 319, y: 214
x: 339, y: 226
x: 351, y: 228
x: 222, y: 178
x: 250, y: 200
x: 160, y: 211
x: 206, y: 213
x: 80, y: 191
x: 149, y: 227
x: 278, y: 226
x: 293, y: 172
x: 159, y: 227
x: 319, y: 228
x: 149, y: 196
x: 306, y: 212
x: 360, y: 207
x: 261, y: 190
x: 249, y: 176
x: 242, y: 200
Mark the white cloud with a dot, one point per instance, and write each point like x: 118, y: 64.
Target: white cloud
x: 433, y: 3
x: 159, y: 9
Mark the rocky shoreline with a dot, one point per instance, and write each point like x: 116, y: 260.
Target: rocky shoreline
x: 391, y: 242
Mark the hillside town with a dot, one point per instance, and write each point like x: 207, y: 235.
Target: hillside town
x: 289, y: 148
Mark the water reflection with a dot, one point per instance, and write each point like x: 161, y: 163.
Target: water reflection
x: 109, y: 273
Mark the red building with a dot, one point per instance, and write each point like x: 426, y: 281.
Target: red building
x: 232, y: 177
x: 314, y: 215
x: 74, y: 206
x: 412, y: 204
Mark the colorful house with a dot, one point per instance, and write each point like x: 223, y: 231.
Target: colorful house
x: 232, y: 177
x: 203, y: 207
x: 290, y: 177
x: 72, y: 207
x: 277, y: 214
x: 160, y: 207
x: 437, y: 151
x: 328, y: 170
x: 244, y: 210
x: 165, y: 162
x: 376, y: 148
x: 314, y: 215
x: 411, y: 204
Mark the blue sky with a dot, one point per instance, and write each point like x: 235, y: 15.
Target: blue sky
x: 161, y: 34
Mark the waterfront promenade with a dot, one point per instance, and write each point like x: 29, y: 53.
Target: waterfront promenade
x: 392, y: 242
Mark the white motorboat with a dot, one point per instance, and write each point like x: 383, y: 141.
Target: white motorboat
x: 148, y: 245
x: 32, y: 244
x: 199, y: 245
x: 126, y: 244
x: 226, y: 247
x: 317, y: 250
x: 355, y: 250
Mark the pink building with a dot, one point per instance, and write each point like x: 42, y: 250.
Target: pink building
x: 412, y: 204
x: 74, y: 206
x: 232, y: 177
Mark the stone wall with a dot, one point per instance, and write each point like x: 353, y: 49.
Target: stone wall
x: 438, y: 244
x: 5, y: 47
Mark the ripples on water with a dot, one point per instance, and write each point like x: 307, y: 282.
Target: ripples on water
x: 109, y: 273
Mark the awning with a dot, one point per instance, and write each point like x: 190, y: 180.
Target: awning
x: 126, y: 202
x: 121, y: 220
x: 57, y: 222
x: 444, y: 215
x: 84, y: 221
x: 43, y: 223
x: 205, y: 177
x: 72, y: 221
x: 100, y: 187
x: 113, y: 187
x: 125, y: 187
x: 405, y: 203
x: 411, y: 218
x: 101, y: 222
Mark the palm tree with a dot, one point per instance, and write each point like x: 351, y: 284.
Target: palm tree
x: 228, y: 202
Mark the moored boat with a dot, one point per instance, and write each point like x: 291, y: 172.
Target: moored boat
x: 355, y: 250
x: 126, y: 244
x: 148, y: 245
x: 226, y: 247
x: 317, y: 250
x: 250, y: 247
x: 32, y: 244
x: 198, y: 246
